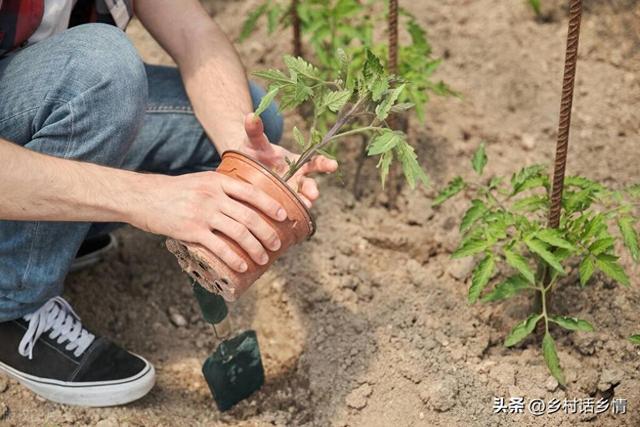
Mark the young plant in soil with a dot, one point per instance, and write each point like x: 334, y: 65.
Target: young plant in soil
x: 362, y: 97
x: 505, y: 227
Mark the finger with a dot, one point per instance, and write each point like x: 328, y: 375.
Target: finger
x: 254, y: 128
x: 309, y: 188
x: 255, y: 197
x: 242, y: 236
x: 223, y: 251
x: 319, y: 164
x: 254, y: 223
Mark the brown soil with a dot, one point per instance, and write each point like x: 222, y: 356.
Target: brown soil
x: 367, y: 324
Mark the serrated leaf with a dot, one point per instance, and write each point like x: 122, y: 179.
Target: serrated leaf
x: 479, y: 160
x: 553, y: 237
x: 629, y: 235
x: 507, y: 289
x: 455, y: 186
x: 411, y: 169
x: 378, y: 87
x: 475, y: 212
x: 401, y: 107
x: 301, y: 67
x: 538, y: 247
x: 383, y: 109
x: 531, y: 203
x: 299, y: 137
x: 536, y: 6
x: 520, y: 263
x: 385, y: 141
x: 481, y: 276
x: 522, y: 330
x: 249, y: 24
x: 572, y: 323
x: 519, y: 180
x: 266, y: 101
x: 602, y: 245
x: 275, y: 77
x: 470, y: 247
x: 334, y: 101
x: 372, y: 67
x: 384, y: 164
x: 609, y: 265
x: 586, y: 269
x: 551, y: 358
x: 635, y: 339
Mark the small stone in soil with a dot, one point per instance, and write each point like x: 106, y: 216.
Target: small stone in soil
x: 441, y: 396
x: 609, y: 378
x: 551, y: 384
x: 176, y: 318
x: 460, y: 268
x: 357, y: 398
x: 4, y: 384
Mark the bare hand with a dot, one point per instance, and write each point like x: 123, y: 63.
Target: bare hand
x: 274, y: 156
x: 189, y: 207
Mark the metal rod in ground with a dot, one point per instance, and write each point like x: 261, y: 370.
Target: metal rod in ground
x: 295, y: 25
x: 568, y: 83
x: 392, y: 65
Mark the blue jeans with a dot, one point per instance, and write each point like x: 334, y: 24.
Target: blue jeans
x: 85, y: 94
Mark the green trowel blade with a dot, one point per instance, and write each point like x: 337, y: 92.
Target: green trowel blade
x: 234, y: 371
x: 212, y: 306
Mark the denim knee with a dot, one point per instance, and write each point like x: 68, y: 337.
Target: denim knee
x: 104, y: 86
x: 271, y: 118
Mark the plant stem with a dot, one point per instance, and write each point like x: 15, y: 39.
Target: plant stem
x: 307, y: 155
x: 543, y: 296
x: 361, y: 159
x: 355, y: 131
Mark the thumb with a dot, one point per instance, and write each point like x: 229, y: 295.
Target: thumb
x: 255, y: 131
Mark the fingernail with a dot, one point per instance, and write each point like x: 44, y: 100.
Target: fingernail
x: 276, y: 245
x: 281, y: 214
x: 264, y: 259
x: 243, y: 267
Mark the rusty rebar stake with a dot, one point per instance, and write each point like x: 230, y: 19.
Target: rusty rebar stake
x: 295, y: 25
x: 393, y: 37
x: 568, y: 83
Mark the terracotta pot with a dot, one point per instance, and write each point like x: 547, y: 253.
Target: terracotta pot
x: 209, y: 270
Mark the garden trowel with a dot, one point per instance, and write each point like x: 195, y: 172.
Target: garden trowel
x: 234, y: 370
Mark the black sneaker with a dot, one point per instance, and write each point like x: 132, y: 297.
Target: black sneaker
x: 50, y: 353
x: 92, y: 250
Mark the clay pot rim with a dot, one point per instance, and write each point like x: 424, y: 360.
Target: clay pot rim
x: 292, y: 194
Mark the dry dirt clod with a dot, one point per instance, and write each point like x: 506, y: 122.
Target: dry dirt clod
x: 4, y: 384
x: 441, y: 396
x: 108, y: 422
x: 551, y: 384
x: 528, y: 141
x: 609, y: 378
x: 460, y: 268
x: 357, y: 398
x: 4, y: 410
x: 176, y: 318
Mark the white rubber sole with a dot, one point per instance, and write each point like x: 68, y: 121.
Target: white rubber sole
x: 94, y: 394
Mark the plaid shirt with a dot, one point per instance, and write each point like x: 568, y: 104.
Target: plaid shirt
x: 19, y: 19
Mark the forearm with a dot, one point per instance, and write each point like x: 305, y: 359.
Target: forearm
x: 38, y: 187
x: 214, y: 77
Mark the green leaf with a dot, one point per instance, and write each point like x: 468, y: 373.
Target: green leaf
x: 520, y: 179
x: 455, y: 186
x: 301, y: 67
x: 554, y: 238
x: 531, y: 203
x: 635, y: 339
x: 609, y: 265
x: 385, y: 141
x: 409, y: 161
x: 249, y: 24
x: 383, y: 109
x: 551, y: 358
x: 536, y: 6
x: 507, y: 289
x: 629, y: 235
x: 602, y: 245
x: 470, y: 247
x: 519, y: 262
x: 479, y: 160
x: 522, y: 330
x: 586, y: 269
x: 481, y: 276
x: 378, y: 87
x: 538, y: 247
x: 372, y: 67
x: 299, y: 137
x: 334, y: 101
x: 475, y: 212
x: 384, y: 164
x: 275, y: 77
x: 266, y: 101
x: 572, y: 323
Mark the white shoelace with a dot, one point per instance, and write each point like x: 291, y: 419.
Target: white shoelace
x: 58, y: 316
